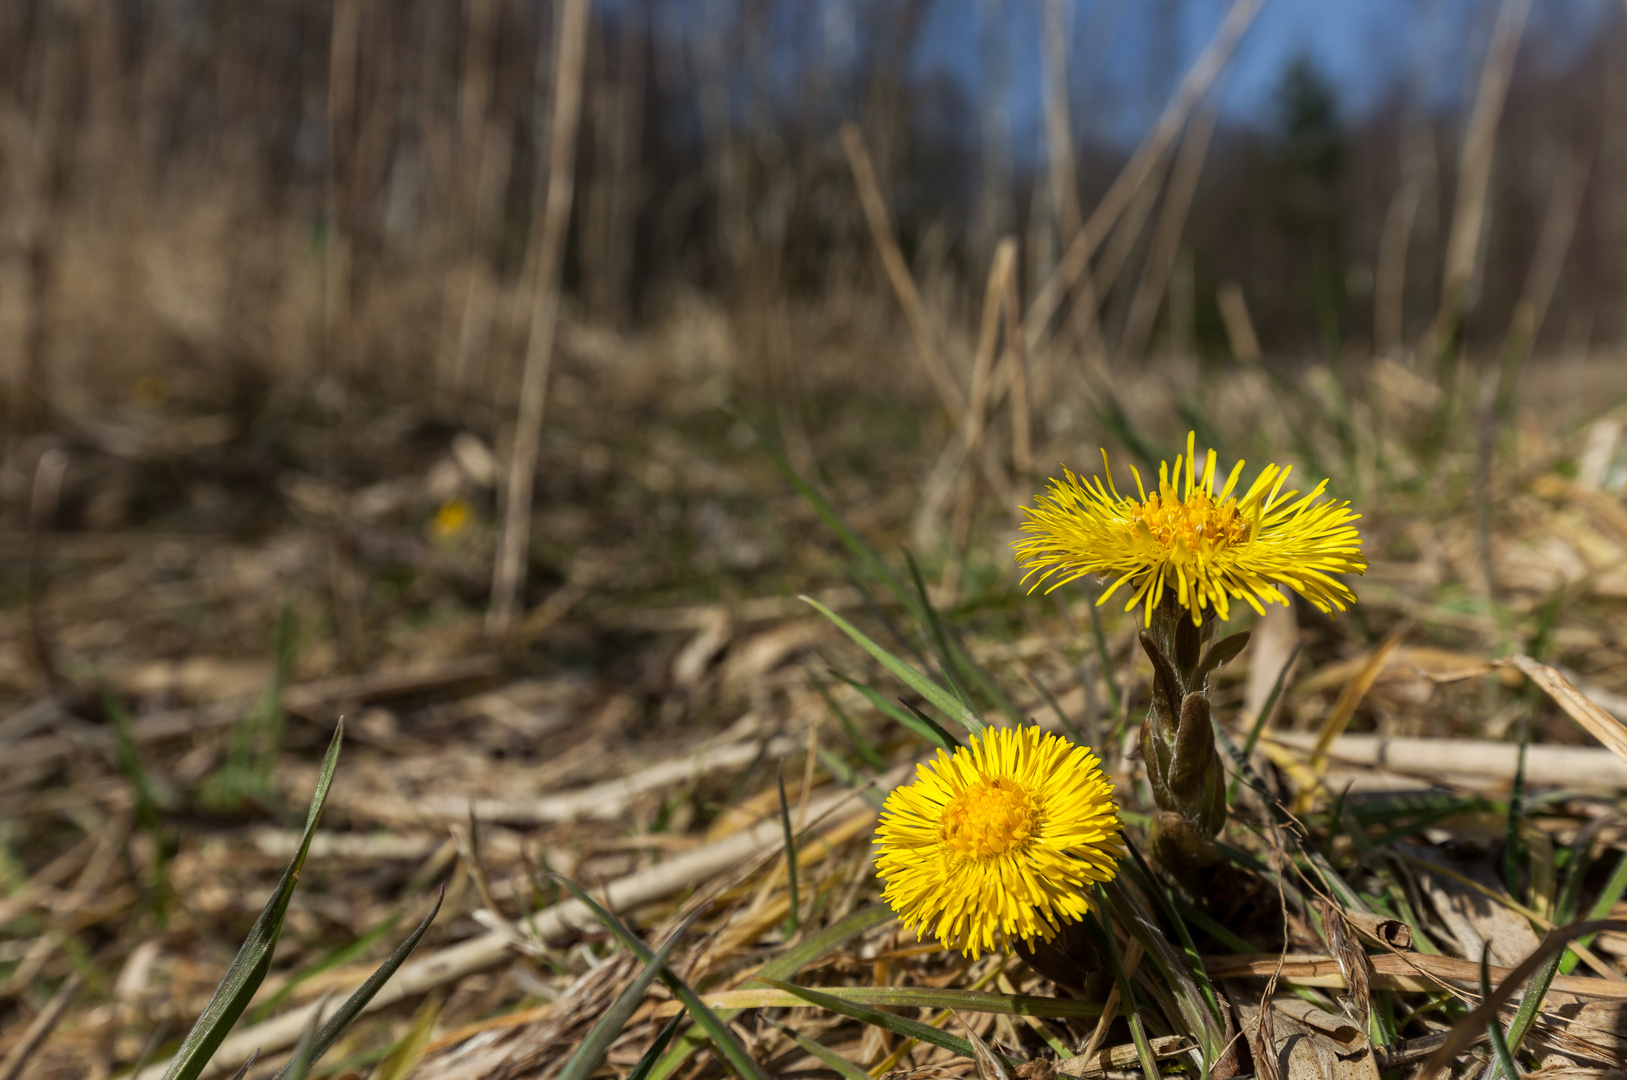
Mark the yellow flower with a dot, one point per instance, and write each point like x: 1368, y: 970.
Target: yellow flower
x: 1206, y: 546
x: 999, y: 841
x: 450, y: 519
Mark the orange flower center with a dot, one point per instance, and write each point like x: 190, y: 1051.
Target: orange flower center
x: 989, y: 818
x: 1195, y: 523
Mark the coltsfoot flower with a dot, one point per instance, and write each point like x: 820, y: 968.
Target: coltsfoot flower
x: 1208, y: 547
x: 1000, y: 841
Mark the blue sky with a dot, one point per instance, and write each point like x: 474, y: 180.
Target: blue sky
x: 1130, y: 53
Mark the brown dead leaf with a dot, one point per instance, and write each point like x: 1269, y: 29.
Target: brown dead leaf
x: 1391, y: 933
x: 1475, y: 919
x: 1301, y: 1047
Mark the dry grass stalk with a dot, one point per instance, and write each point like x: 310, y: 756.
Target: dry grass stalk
x: 1406, y: 972
x: 1353, y: 963
x: 1051, y: 295
x: 898, y: 272
x: 1334, y: 725
x: 1600, y: 724
x: 1454, y: 759
x: 1022, y: 438
x: 1001, y: 273
x: 1474, y: 171
x: 1064, y: 192
x: 1390, y: 265
x: 1166, y: 236
x: 1558, y: 225
x: 546, y: 258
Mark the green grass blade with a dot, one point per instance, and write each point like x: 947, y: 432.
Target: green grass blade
x: 1606, y: 903
x: 834, y: 1061
x: 957, y: 664
x: 947, y: 703
x: 1531, y: 1001
x: 924, y: 997
x: 403, y: 1057
x: 927, y: 729
x: 851, y: 777
x: 242, y: 1070
x: 1428, y: 818
x: 253, y: 960
x: 1335, y: 883
x: 728, y: 1046
x: 1104, y: 660
x: 1148, y: 881
x: 937, y: 633
x: 898, y: 1025
x: 785, y: 966
x: 1260, y: 718
x: 327, y: 962
x: 867, y: 752
x: 1499, y: 1045
x: 1200, y: 1023
x: 357, y: 1001
x: 1121, y: 978
x: 1214, y: 929
x: 641, y: 1071
x: 304, y: 1050
x: 801, y: 955
x: 861, y: 551
x: 940, y: 736
x: 129, y: 762
x: 610, y: 1025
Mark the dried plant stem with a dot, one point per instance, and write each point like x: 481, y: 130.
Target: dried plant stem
x: 1000, y: 275
x: 1138, y: 169
x: 1059, y: 124
x: 1558, y: 225
x: 508, y: 579
x: 1022, y: 439
x: 480, y: 140
x: 1166, y: 237
x: 898, y: 273
x: 1474, y: 176
x: 342, y: 55
x: 1390, y: 268
x: 1240, y: 333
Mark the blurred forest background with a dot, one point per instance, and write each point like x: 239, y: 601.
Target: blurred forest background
x: 262, y: 230
x: 402, y: 360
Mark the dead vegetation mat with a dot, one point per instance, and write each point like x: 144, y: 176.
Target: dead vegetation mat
x: 171, y: 674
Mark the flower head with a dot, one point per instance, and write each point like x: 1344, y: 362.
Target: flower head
x: 1206, y: 546
x: 999, y: 841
